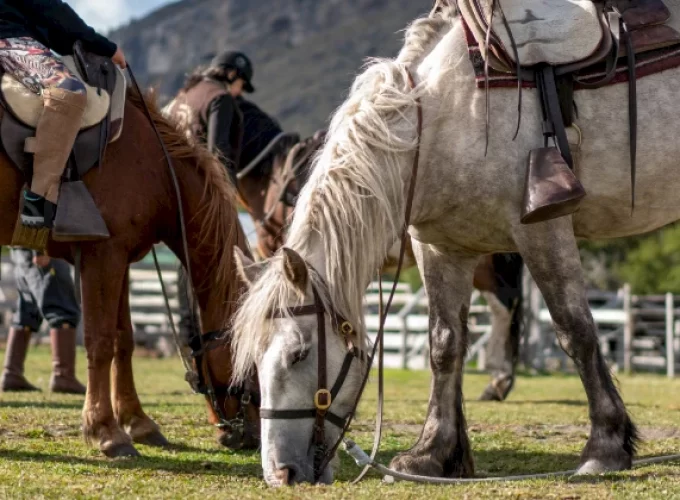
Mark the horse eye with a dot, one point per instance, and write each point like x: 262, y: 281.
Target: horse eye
x: 300, y: 355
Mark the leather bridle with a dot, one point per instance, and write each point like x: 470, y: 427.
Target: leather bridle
x: 200, y: 381
x: 323, y: 398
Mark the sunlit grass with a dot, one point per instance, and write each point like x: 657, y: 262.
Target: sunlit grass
x: 542, y: 427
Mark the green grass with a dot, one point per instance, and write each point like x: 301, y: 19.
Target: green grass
x: 541, y: 428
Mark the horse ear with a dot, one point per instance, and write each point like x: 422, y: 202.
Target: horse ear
x: 295, y: 268
x: 247, y: 269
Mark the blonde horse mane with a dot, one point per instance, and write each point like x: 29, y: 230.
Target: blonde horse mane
x: 352, y: 203
x: 220, y: 229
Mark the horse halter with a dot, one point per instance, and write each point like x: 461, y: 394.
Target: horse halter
x: 323, y: 398
x: 200, y: 381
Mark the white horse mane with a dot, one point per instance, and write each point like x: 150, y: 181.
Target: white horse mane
x: 353, y: 199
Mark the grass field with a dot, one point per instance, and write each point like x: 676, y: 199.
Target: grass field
x: 541, y: 428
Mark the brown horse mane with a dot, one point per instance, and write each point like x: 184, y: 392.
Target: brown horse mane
x: 220, y: 228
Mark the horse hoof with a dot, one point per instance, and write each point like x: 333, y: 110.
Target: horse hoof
x: 155, y: 438
x: 490, y: 394
x: 121, y: 450
x: 592, y: 467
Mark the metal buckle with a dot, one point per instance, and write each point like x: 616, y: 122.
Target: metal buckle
x: 318, y: 404
x: 245, y: 399
x: 346, y: 328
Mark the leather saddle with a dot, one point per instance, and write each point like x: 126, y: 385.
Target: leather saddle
x: 102, y: 123
x: 551, y: 42
x: 570, y: 35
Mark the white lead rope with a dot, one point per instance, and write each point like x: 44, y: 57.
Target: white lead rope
x: 363, y: 460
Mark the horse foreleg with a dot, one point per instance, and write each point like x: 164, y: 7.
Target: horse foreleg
x: 126, y: 405
x: 551, y: 254
x: 103, y: 272
x: 443, y: 448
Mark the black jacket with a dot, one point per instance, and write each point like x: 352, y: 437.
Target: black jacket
x: 52, y: 23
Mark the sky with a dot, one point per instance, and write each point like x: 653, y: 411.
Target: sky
x: 104, y: 15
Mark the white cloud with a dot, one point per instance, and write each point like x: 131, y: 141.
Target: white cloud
x: 104, y: 15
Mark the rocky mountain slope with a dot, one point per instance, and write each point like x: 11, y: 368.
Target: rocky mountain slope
x: 305, y: 52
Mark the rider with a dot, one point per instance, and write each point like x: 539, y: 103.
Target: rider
x: 207, y: 110
x: 29, y: 30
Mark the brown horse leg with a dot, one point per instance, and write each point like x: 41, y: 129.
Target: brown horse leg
x: 103, y: 272
x: 126, y: 405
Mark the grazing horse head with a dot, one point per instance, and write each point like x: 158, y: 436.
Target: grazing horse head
x: 303, y: 314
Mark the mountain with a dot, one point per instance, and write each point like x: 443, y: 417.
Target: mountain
x: 305, y: 52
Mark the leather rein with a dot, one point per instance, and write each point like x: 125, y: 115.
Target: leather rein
x: 323, y: 398
x: 199, y: 378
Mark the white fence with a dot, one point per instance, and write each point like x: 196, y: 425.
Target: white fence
x: 635, y: 332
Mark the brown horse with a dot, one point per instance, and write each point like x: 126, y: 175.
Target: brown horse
x: 134, y: 192
x: 269, y: 192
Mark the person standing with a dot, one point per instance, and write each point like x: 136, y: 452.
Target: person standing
x: 205, y: 108
x: 46, y: 291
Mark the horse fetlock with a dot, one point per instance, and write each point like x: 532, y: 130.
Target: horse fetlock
x: 609, y: 448
x: 421, y: 465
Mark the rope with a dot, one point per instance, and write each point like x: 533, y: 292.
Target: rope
x: 363, y: 460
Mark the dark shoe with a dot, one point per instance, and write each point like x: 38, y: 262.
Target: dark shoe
x: 63, y: 380
x: 36, y: 212
x: 13, y: 379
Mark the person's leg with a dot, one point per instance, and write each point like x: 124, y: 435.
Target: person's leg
x: 58, y: 305
x: 26, y: 320
x: 65, y: 100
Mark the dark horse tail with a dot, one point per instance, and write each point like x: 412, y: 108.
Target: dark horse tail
x: 508, y: 271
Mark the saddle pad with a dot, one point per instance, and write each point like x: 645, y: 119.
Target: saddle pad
x: 556, y: 32
x: 27, y: 106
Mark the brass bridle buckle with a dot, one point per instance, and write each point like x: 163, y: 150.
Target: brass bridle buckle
x: 322, y: 399
x: 346, y: 328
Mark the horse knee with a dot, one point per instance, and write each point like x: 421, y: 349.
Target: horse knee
x: 99, y: 351
x: 575, y: 331
x: 449, y: 342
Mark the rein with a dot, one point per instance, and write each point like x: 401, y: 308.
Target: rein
x: 256, y: 161
x: 199, y: 379
x: 323, y: 398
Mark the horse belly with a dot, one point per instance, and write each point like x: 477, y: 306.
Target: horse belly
x: 604, y: 159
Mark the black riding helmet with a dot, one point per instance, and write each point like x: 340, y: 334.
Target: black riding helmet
x: 239, y: 62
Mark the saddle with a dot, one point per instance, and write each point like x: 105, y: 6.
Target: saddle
x: 551, y: 43
x: 102, y: 122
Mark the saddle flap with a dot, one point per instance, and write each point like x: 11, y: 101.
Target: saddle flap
x: 555, y: 32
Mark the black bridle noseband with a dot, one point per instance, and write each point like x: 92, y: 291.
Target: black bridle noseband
x: 323, y: 398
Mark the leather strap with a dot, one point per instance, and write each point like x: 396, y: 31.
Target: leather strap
x: 547, y: 87
x: 300, y: 415
x: 322, y: 376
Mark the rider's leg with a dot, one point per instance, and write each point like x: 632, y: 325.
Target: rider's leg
x: 65, y: 100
